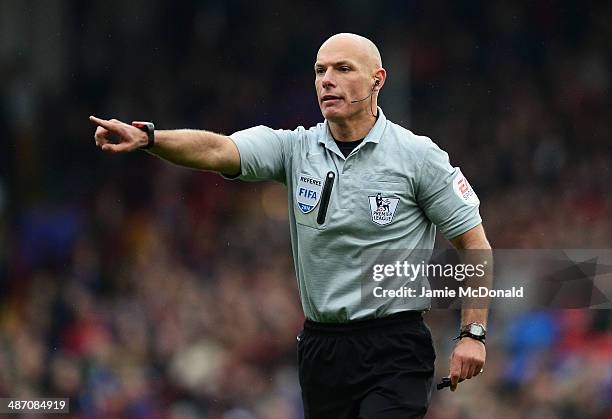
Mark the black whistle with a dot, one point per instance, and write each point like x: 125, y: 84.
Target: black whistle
x: 446, y: 382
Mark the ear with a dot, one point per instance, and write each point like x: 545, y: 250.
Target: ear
x: 380, y: 75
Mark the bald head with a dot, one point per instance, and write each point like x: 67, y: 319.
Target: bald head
x: 355, y: 47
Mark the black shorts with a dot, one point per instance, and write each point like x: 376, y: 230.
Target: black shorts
x: 371, y: 369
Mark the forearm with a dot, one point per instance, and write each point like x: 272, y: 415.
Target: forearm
x: 476, y: 250
x: 197, y: 149
x: 474, y: 315
x: 476, y: 310
x: 470, y: 353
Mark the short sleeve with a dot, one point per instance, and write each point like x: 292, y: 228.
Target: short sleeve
x: 445, y: 195
x: 263, y: 152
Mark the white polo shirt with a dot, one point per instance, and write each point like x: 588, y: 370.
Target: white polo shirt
x: 390, y: 193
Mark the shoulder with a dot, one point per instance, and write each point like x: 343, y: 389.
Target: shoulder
x: 263, y: 131
x: 314, y: 131
x: 417, y: 145
x: 302, y: 133
x: 307, y: 137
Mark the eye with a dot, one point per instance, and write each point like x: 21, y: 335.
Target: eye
x: 345, y: 68
x: 319, y: 70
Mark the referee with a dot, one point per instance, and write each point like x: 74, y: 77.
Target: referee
x: 356, y: 182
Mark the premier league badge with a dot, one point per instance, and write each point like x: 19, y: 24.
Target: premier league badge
x: 383, y: 208
x: 308, y: 192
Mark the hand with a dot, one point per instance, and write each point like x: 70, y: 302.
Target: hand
x: 130, y: 138
x: 467, y: 360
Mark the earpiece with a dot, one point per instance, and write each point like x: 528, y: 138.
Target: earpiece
x: 377, y: 82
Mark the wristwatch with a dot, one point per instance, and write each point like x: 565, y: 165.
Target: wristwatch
x: 149, y: 128
x: 473, y: 330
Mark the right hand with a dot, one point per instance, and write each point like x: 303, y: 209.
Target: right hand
x: 129, y: 137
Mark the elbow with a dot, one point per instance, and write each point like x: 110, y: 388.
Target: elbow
x: 474, y: 239
x: 223, y: 156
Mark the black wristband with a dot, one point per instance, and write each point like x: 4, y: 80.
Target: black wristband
x: 470, y: 335
x: 149, y: 128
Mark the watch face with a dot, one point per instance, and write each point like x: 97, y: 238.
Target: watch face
x: 476, y: 329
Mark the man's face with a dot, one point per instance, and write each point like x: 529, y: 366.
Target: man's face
x: 342, y: 74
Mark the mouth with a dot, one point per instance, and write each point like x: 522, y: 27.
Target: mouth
x: 329, y: 98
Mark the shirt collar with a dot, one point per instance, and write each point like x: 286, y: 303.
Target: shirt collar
x: 373, y: 136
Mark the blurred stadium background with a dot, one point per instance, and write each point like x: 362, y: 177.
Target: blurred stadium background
x: 142, y: 290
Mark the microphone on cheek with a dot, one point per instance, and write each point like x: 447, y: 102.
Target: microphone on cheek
x: 376, y: 83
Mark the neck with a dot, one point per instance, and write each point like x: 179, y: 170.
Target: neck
x: 352, y: 130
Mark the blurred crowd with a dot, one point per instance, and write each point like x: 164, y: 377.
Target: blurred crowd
x: 143, y: 290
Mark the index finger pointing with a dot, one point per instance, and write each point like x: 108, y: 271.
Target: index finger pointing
x: 101, y: 122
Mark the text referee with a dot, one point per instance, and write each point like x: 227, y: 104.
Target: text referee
x: 356, y: 182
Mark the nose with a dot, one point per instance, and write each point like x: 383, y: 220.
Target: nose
x: 327, y: 80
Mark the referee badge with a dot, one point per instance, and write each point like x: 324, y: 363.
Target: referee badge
x: 382, y: 208
x: 308, y: 192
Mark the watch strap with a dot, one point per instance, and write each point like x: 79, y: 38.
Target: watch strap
x: 471, y: 335
x: 149, y: 128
